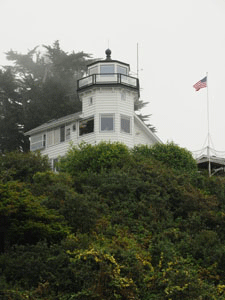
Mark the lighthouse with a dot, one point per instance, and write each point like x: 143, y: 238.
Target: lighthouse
x: 108, y: 94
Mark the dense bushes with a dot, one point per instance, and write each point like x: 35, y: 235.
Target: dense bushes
x: 101, y: 157
x: 170, y: 154
x: 113, y: 224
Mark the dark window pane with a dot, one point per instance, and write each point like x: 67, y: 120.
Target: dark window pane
x: 67, y: 133
x: 62, y: 133
x: 86, y: 126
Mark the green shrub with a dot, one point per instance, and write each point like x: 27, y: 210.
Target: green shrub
x: 22, y: 166
x: 172, y: 155
x: 103, y: 156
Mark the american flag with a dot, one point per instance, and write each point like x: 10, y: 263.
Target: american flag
x: 200, y: 84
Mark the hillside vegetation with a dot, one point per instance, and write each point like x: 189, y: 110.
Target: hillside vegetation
x: 112, y: 223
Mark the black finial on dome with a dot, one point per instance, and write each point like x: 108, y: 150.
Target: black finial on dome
x: 108, y: 54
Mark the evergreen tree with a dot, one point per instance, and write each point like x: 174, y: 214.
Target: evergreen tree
x: 40, y: 86
x: 11, y: 112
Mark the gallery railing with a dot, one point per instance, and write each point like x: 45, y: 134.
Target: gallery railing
x: 108, y: 78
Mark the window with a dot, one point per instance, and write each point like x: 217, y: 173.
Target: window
x: 62, y: 133
x: 93, y: 70
x: 74, y: 127
x: 53, y: 137
x: 37, y: 142
x: 57, y: 135
x: 67, y: 133
x: 86, y: 126
x: 125, y: 124
x: 107, y: 122
x: 44, y: 140
x: 107, y: 69
x: 90, y: 101
x: 50, y: 138
x: 55, y: 165
x: 121, y: 70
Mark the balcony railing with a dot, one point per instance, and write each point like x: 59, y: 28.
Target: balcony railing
x: 108, y: 78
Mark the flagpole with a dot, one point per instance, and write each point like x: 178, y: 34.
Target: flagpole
x: 208, y: 147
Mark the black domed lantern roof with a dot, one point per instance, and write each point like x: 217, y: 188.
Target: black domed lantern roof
x: 108, y: 54
x: 108, y: 59
x: 108, y: 73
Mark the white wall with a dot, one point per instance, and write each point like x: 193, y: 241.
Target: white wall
x: 104, y: 101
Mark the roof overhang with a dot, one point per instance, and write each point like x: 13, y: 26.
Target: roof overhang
x: 106, y: 61
x: 54, y: 123
x: 147, y: 130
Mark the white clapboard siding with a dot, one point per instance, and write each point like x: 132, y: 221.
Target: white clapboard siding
x: 57, y: 150
x: 141, y: 137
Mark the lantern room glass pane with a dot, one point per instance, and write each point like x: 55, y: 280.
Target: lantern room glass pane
x: 121, y: 70
x: 93, y: 70
x: 107, y: 69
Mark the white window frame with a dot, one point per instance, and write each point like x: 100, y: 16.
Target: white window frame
x: 127, y: 118
x: 38, y: 142
x: 62, y: 133
x: 107, y: 73
x: 50, y: 138
x: 68, y: 133
x: 93, y: 70
x: 123, y: 69
x: 86, y: 120
x: 54, y: 162
x: 107, y: 116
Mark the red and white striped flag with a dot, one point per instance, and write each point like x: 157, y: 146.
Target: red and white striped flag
x: 200, y: 84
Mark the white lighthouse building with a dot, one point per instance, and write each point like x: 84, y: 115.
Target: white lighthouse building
x: 108, y: 94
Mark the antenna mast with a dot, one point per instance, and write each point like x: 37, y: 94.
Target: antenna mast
x: 137, y: 62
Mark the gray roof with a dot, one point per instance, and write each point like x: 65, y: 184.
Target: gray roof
x: 55, y: 122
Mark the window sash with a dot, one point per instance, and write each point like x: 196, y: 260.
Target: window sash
x: 62, y: 133
x: 86, y: 126
x: 125, y: 124
x: 50, y: 138
x: 68, y: 133
x: 93, y: 70
x: 121, y: 70
x: 107, y: 69
x: 37, y: 142
x: 107, y: 122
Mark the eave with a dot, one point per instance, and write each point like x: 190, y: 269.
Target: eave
x: 147, y: 130
x: 54, y: 123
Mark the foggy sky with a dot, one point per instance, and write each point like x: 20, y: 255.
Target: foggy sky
x: 178, y: 42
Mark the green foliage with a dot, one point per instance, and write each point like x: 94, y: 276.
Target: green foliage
x: 24, y: 220
x: 170, y: 154
x: 22, y: 166
x: 40, y: 86
x: 86, y: 157
x: 11, y: 136
x: 140, y: 228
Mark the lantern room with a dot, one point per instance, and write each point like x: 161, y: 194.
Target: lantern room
x: 108, y: 72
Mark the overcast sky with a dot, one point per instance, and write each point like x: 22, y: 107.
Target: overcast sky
x: 178, y: 42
